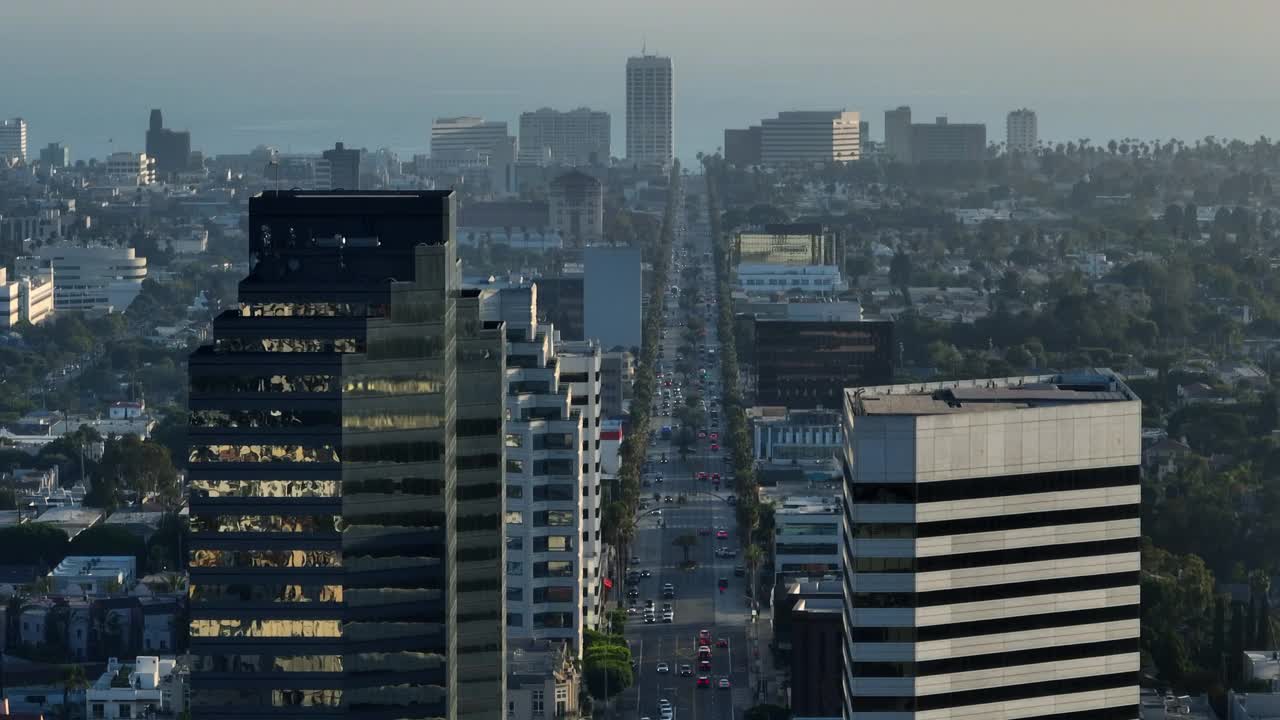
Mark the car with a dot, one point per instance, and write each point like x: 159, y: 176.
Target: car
x: 663, y: 668
x: 666, y: 607
x: 722, y: 642
x: 704, y: 652
x: 648, y: 604
x: 635, y: 559
x: 668, y: 714
x: 633, y: 610
x: 686, y: 670
x: 669, y: 499
x: 649, y: 618
x: 646, y: 573
x: 704, y: 531
x: 722, y: 534
x: 668, y: 616
x: 715, y: 436
x: 702, y: 434
x: 739, y: 570
x: 715, y: 476
x: 704, y: 681
x: 723, y: 583
x: 732, y: 500
x: 702, y: 475
x: 664, y: 459
x: 664, y: 703
x: 724, y: 683
x: 657, y: 512
x: 715, y: 447
x: 704, y: 637
x: 633, y: 593
x: 704, y: 666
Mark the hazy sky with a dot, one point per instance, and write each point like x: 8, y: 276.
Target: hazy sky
x: 300, y: 74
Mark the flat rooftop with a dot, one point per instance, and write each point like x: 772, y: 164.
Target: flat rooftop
x: 990, y: 394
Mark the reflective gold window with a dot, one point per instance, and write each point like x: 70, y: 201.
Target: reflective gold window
x: 205, y: 558
x: 263, y: 453
x: 265, y: 523
x: 264, y: 592
x: 266, y: 488
x: 232, y: 628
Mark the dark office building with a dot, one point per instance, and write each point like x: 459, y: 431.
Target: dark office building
x: 326, y: 451
x: 804, y: 364
x: 817, y: 651
x: 742, y: 147
x: 344, y: 167
x: 947, y: 142
x: 170, y: 148
x: 561, y: 302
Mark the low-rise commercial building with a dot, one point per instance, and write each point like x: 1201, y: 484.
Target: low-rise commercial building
x: 543, y: 681
x: 131, y: 169
x: 763, y: 279
x: 148, y: 687
x: 796, y: 244
x: 94, y: 574
x: 780, y: 435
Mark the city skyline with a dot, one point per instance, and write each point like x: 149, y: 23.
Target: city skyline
x: 960, y: 63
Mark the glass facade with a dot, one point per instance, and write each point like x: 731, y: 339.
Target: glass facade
x: 804, y: 364
x: 324, y: 468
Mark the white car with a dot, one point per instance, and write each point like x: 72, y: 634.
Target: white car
x: 669, y: 616
x: 664, y: 668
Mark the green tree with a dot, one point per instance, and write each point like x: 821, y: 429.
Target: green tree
x: 109, y: 540
x: 73, y: 680
x: 686, y: 543
x: 33, y: 543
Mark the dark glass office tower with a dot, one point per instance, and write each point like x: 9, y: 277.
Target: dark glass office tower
x: 324, y: 467
x: 806, y: 364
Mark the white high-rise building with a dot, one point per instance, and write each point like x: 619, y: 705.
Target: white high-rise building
x: 553, y: 475
x: 1022, y: 135
x: 576, y: 137
x: 13, y: 139
x: 453, y: 138
x: 816, y: 136
x: 651, y: 106
x: 992, y: 549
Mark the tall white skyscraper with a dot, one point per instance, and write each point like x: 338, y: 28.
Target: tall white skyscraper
x: 13, y: 139
x: 651, y: 105
x: 1021, y: 132
x: 992, y: 549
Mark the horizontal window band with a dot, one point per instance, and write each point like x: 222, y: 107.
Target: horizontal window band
x: 997, y: 486
x: 991, y: 661
x: 868, y: 703
x: 1003, y: 591
x: 975, y: 628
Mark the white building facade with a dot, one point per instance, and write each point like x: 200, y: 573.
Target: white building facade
x: 553, y: 483
x: 131, y: 168
x: 28, y: 298
x: 815, y: 136
x: 651, y: 104
x: 808, y: 535
x: 1021, y: 133
x: 991, y: 549
x: 764, y: 278
x: 576, y: 137
x: 149, y: 687
x: 96, y: 277
x: 13, y: 139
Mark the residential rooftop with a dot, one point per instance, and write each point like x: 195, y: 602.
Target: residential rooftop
x: 991, y: 394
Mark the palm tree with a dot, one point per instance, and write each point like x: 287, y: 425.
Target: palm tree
x: 752, y: 556
x: 73, y: 679
x: 686, y: 543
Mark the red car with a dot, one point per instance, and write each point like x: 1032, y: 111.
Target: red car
x: 702, y: 434
x: 704, y: 666
x: 714, y: 447
x: 702, y: 476
x: 722, y: 642
x: 704, y: 637
x: 704, y: 681
x: 715, y: 476
x: 715, y: 436
x: 722, y: 534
